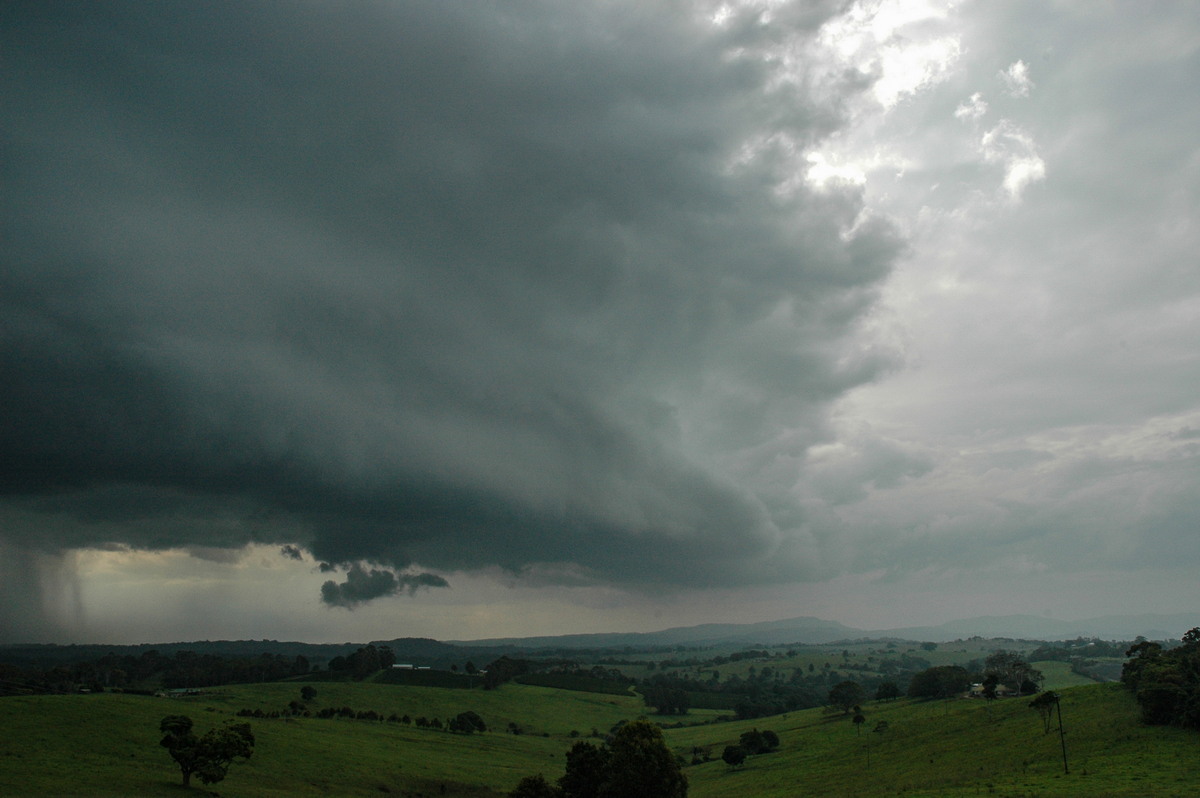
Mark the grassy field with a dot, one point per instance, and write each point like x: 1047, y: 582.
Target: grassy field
x: 956, y: 748
x: 107, y: 745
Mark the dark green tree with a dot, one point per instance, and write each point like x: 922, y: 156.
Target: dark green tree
x: 641, y: 765
x: 846, y: 695
x: 1044, y: 704
x: 308, y: 692
x: 1010, y: 669
x: 467, y: 723
x: 990, y: 682
x: 210, y: 756
x: 1166, y: 683
x: 940, y: 681
x: 733, y: 755
x: 635, y: 763
x: 887, y: 691
x: 535, y: 787
x: 587, y: 770
x: 859, y: 720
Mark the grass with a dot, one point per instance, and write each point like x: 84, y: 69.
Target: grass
x: 107, y: 745
x: 958, y: 748
x: 1059, y: 675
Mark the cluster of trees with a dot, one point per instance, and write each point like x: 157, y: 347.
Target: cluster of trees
x: 667, y: 700
x: 363, y: 662
x: 184, y: 669
x: 750, y: 743
x: 209, y: 756
x: 1001, y: 670
x: 506, y: 669
x: 634, y: 762
x: 1166, y: 682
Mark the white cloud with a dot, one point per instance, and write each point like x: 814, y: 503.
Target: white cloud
x: 887, y: 41
x: 972, y: 109
x: 1013, y: 147
x: 1016, y: 79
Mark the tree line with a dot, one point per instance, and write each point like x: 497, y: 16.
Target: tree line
x: 1166, y: 681
x: 183, y: 669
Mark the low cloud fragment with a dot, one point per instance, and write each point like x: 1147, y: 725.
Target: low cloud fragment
x: 1016, y: 79
x: 972, y: 109
x: 292, y: 552
x: 362, y: 585
x: 1014, y: 148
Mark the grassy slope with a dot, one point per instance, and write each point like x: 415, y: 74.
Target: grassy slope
x: 106, y: 745
x: 957, y: 748
x: 1059, y: 675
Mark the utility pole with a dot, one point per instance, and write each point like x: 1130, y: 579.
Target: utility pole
x: 1062, y: 738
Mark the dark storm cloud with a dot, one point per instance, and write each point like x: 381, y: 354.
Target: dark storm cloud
x: 459, y: 285
x: 362, y: 586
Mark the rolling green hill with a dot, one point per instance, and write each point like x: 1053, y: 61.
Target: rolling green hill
x: 107, y: 745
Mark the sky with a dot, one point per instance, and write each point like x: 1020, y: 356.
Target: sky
x: 348, y: 322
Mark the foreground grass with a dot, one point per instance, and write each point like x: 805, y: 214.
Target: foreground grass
x: 107, y: 745
x: 959, y: 748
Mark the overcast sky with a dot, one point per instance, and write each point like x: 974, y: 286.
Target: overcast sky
x: 339, y: 322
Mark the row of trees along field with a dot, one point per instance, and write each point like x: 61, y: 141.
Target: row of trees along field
x: 184, y: 669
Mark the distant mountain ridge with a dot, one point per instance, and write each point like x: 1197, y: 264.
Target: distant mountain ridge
x: 802, y: 630
x: 812, y: 630
x: 816, y: 630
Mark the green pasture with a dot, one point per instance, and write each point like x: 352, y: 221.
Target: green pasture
x: 1059, y: 675
x: 107, y: 745
x: 955, y: 748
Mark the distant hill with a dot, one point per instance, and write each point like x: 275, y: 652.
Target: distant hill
x: 803, y: 630
x: 792, y: 630
x: 816, y: 631
x: 1032, y: 627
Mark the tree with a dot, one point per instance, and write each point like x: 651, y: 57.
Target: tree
x: 1010, y: 669
x: 210, y: 756
x: 887, y: 691
x: 635, y: 763
x: 641, y: 765
x: 535, y: 787
x: 587, y: 770
x: 859, y: 720
x: 1166, y: 683
x: 733, y: 755
x: 846, y: 695
x: 666, y: 701
x: 990, y: 682
x: 940, y: 681
x: 1044, y: 704
x: 308, y: 692
x: 467, y: 723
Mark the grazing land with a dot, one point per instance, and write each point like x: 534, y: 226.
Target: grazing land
x: 107, y: 745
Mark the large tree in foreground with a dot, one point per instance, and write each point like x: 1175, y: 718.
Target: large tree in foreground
x: 641, y: 765
x: 210, y: 756
x: 634, y: 763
